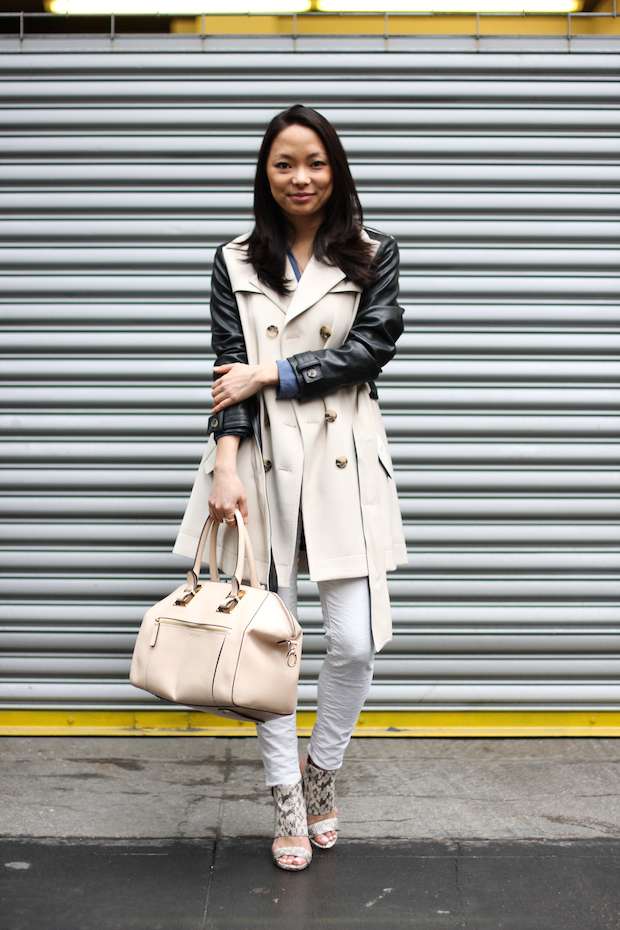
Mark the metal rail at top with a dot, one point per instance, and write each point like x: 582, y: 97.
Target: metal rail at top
x: 295, y: 18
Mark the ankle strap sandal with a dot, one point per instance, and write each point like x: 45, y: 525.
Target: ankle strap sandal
x: 290, y: 820
x: 320, y: 793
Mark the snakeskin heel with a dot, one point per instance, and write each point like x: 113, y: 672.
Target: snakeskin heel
x: 290, y: 820
x: 319, y: 789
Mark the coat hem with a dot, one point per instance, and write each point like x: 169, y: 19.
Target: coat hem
x: 351, y: 566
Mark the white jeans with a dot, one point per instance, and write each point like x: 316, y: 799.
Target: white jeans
x: 344, y: 681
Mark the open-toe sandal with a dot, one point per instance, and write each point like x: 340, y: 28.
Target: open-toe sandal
x: 319, y: 790
x: 290, y: 820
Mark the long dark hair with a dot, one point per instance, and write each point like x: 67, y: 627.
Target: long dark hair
x: 338, y: 240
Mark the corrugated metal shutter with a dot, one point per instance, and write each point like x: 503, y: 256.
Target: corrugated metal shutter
x: 499, y: 176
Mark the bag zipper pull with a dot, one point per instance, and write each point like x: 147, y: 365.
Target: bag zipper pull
x: 155, y: 633
x: 291, y: 658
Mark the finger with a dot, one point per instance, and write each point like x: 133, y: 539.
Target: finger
x: 219, y: 394
x: 217, y: 509
x: 222, y: 367
x: 221, y: 405
x: 242, y: 504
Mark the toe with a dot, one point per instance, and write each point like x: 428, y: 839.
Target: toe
x: 291, y: 860
x: 323, y: 839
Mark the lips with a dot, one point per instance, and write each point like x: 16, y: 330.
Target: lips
x: 301, y: 198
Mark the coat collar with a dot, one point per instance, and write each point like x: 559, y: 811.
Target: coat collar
x: 316, y: 281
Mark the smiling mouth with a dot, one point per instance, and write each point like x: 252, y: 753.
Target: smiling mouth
x: 301, y: 196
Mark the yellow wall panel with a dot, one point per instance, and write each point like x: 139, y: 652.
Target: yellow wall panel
x: 375, y: 24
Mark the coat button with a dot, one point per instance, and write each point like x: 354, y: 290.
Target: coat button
x: 330, y: 415
x: 326, y: 332
x: 267, y: 464
x: 213, y: 422
x: 272, y: 331
x: 312, y: 372
x: 341, y: 461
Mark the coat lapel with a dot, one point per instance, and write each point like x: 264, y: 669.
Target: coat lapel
x: 244, y: 279
x: 255, y: 285
x: 316, y: 281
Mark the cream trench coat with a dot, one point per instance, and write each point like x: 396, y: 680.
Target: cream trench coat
x: 327, y: 457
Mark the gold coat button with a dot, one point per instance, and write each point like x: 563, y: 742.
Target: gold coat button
x: 213, y: 422
x: 341, y: 461
x: 312, y: 372
x: 267, y: 464
x: 330, y: 415
x: 272, y: 331
x: 326, y: 332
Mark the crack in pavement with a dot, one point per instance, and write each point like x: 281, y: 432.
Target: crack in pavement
x: 459, y: 897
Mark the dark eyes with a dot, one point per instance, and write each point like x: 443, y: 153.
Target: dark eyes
x: 283, y: 165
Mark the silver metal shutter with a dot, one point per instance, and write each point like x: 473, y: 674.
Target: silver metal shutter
x: 498, y: 174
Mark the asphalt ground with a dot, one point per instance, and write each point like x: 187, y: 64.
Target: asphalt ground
x: 173, y: 833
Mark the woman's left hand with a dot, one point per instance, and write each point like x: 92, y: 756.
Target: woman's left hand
x: 238, y: 382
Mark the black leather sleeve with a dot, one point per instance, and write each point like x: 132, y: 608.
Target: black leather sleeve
x: 229, y: 346
x: 371, y: 342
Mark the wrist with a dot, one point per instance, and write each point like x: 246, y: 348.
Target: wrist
x: 225, y: 468
x: 268, y: 374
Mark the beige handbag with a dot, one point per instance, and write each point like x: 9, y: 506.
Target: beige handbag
x: 229, y: 649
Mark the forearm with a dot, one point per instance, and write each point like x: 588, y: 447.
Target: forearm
x: 227, y: 492
x: 371, y: 342
x: 226, y: 455
x: 327, y: 370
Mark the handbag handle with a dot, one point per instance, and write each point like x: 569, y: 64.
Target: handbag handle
x: 244, y: 550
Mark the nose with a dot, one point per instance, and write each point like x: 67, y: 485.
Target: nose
x: 302, y: 177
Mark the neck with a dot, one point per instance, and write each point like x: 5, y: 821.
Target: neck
x: 303, y: 229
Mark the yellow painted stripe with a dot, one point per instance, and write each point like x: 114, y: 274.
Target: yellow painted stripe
x: 478, y: 723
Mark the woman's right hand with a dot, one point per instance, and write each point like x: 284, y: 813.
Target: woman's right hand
x: 227, y: 495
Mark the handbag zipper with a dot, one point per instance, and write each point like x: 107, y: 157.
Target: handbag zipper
x: 291, y: 623
x: 185, y: 624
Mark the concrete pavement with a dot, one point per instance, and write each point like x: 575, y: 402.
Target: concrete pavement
x: 197, y: 787
x: 173, y: 834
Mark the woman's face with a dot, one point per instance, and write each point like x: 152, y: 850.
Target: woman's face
x: 299, y: 173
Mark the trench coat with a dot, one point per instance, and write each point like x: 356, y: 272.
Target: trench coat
x: 325, y: 457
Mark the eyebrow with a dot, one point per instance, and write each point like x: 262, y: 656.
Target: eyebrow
x: 312, y: 155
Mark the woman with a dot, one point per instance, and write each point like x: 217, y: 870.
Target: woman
x: 304, y: 316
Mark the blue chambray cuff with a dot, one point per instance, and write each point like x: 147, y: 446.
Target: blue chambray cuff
x: 288, y: 381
